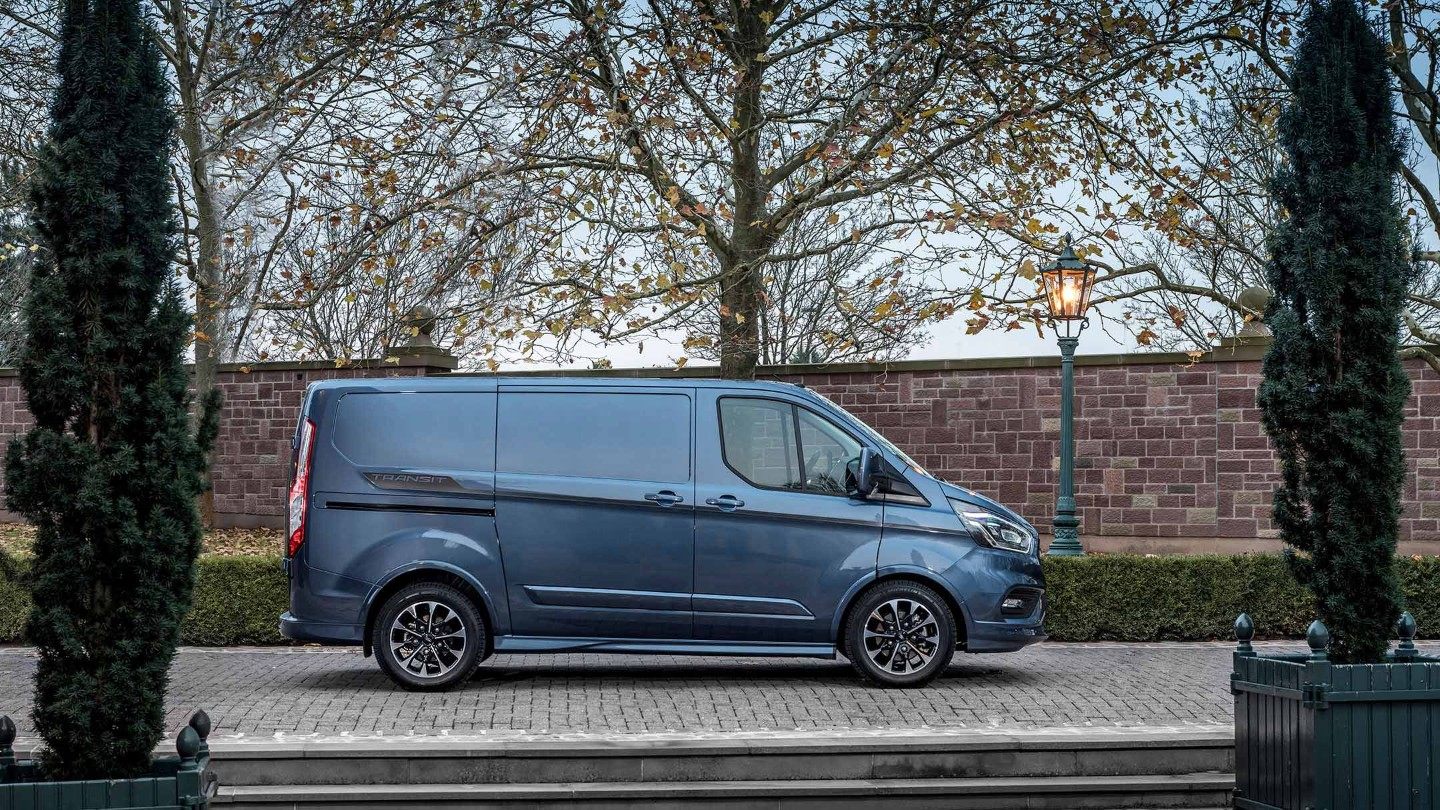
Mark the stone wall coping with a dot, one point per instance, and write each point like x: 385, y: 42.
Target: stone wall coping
x: 399, y: 360
x: 1250, y: 350
x: 1230, y: 350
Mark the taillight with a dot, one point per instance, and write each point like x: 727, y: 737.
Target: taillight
x: 300, y: 487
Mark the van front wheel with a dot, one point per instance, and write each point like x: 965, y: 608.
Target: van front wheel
x: 428, y: 637
x: 900, y: 634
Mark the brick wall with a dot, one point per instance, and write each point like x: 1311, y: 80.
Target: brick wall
x: 1170, y: 455
x: 257, y: 421
x: 261, y: 404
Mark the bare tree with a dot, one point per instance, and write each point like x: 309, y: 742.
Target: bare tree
x: 309, y: 131
x: 25, y: 85
x: 306, y: 132
x: 1175, y: 205
x: 830, y: 297
x: 683, y: 143
x: 16, y: 255
x: 451, y: 260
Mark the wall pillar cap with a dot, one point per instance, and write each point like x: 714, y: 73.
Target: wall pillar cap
x: 419, y: 350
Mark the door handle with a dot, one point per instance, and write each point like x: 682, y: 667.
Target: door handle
x: 664, y: 497
x: 726, y: 503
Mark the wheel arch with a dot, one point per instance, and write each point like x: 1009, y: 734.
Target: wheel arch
x: 917, y: 575
x: 438, y: 573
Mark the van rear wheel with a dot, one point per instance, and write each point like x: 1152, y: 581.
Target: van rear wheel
x: 428, y: 637
x: 900, y: 634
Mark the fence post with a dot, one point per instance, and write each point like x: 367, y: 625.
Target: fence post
x: 1317, y: 669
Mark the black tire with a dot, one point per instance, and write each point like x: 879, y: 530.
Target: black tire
x: 432, y: 611
x: 932, y: 630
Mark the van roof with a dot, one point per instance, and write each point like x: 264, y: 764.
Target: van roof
x: 489, y: 382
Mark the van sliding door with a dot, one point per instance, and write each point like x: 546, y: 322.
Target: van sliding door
x: 595, y: 508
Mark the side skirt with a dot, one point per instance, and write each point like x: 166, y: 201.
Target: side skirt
x: 546, y: 644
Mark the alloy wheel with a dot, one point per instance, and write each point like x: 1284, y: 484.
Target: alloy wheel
x: 428, y: 639
x: 901, y: 636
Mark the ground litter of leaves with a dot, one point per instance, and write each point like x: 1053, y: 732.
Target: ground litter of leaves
x: 17, y: 538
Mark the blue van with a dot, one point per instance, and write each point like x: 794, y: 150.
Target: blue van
x: 437, y: 521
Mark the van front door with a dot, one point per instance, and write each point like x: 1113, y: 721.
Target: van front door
x: 778, y: 541
x: 595, y: 508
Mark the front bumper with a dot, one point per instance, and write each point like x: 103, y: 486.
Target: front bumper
x: 991, y: 637
x: 319, y: 632
x: 1007, y: 633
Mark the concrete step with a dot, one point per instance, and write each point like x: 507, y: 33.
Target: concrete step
x: 849, y: 758
x: 1191, y: 790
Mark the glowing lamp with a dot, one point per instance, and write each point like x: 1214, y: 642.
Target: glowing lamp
x: 1068, y: 282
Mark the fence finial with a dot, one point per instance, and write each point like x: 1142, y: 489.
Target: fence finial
x: 188, y: 745
x: 1318, y: 637
x: 7, y: 739
x: 1244, y: 632
x: 200, y: 721
x: 1405, y: 628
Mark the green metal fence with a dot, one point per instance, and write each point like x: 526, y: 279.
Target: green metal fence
x: 176, y: 782
x: 1313, y: 735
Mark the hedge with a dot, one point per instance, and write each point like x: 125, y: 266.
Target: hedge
x: 1196, y: 598
x: 1109, y: 597
x: 238, y: 600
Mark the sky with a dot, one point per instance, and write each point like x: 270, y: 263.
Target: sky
x: 945, y: 340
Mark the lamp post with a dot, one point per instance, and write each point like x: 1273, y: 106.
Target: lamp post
x: 1068, y: 281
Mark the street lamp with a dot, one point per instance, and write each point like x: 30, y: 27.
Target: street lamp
x: 1068, y: 281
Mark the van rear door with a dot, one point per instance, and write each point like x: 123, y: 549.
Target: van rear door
x: 595, y: 507
x: 401, y: 478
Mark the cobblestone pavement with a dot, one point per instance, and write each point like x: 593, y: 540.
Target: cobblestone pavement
x: 329, y: 691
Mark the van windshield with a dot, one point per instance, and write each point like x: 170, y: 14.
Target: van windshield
x: 873, y: 435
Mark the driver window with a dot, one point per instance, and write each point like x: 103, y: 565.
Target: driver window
x: 828, y: 451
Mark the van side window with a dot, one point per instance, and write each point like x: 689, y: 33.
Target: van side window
x: 759, y: 441
x: 761, y: 445
x: 421, y: 430
x: 623, y: 436
x: 827, y: 452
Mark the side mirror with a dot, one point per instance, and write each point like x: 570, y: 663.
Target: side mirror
x: 865, y: 473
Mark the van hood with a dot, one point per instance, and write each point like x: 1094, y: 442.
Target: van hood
x: 970, y: 496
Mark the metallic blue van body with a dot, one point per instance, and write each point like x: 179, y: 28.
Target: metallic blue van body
x: 656, y: 544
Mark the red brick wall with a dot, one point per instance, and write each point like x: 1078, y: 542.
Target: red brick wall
x: 1170, y: 455
x: 257, y: 421
x: 261, y: 404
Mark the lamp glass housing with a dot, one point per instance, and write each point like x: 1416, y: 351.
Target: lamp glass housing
x: 1067, y: 290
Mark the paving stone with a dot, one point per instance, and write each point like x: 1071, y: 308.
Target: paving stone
x: 329, y: 691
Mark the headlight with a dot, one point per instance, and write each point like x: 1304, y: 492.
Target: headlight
x: 993, y: 530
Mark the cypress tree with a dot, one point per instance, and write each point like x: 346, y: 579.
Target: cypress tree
x: 110, y: 473
x: 1334, y: 391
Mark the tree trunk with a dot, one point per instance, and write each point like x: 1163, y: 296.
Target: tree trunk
x: 208, y: 270
x: 742, y: 293
x: 207, y: 279
x: 741, y: 298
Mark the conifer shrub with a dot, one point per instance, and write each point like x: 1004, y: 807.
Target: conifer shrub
x: 110, y: 473
x: 1334, y: 391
